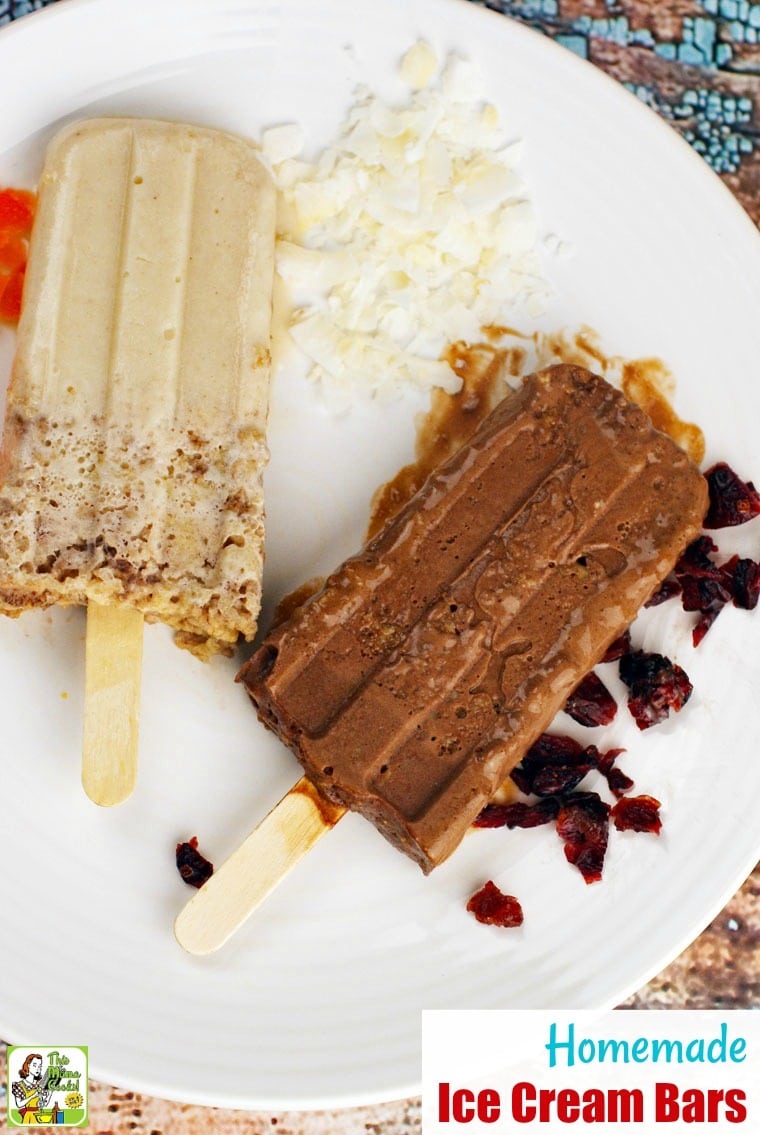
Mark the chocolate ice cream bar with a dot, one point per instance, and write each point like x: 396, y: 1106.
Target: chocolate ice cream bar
x: 420, y: 674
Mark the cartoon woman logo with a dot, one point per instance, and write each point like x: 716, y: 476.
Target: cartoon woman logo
x: 32, y: 1094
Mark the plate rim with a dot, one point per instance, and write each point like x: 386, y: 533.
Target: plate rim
x: 73, y: 9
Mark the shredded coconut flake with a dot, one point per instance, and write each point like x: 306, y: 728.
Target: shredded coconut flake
x: 282, y: 142
x: 413, y: 230
x: 419, y: 65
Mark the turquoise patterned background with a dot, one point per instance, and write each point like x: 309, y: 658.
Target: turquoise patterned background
x: 721, y: 124
x: 697, y: 64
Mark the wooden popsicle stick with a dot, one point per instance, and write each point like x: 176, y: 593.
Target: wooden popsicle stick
x: 252, y: 872
x: 113, y: 676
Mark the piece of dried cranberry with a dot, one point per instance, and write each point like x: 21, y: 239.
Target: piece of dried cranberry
x: 604, y: 761
x: 743, y: 581
x: 556, y: 780
x: 697, y: 555
x: 489, y: 905
x: 591, y: 703
x: 583, y: 825
x: 550, y: 751
x: 703, y: 624
x: 656, y: 686
x: 518, y: 815
x: 732, y: 501
x: 523, y: 779
x: 618, y: 648
x: 668, y: 589
x: 194, y: 868
x: 694, y: 561
x: 703, y: 592
x: 618, y: 782
x: 553, y: 748
x: 637, y: 814
x: 705, y: 586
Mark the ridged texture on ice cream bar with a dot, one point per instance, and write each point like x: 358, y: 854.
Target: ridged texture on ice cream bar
x: 416, y: 679
x: 135, y: 427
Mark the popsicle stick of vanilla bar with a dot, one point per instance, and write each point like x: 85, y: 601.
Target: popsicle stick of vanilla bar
x: 252, y: 872
x: 113, y: 674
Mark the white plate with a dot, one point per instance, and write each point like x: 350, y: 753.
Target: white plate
x: 316, y: 1002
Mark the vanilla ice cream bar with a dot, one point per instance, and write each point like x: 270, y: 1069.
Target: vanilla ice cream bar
x: 135, y: 426
x: 420, y: 674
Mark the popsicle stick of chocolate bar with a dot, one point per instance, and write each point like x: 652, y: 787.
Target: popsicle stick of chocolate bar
x: 252, y: 872
x: 113, y: 673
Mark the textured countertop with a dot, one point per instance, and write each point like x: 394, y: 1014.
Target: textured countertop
x: 698, y: 65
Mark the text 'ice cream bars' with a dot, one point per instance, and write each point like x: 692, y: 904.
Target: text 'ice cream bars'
x: 415, y: 680
x: 135, y: 426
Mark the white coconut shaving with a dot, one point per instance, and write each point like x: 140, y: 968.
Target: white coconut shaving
x: 412, y: 231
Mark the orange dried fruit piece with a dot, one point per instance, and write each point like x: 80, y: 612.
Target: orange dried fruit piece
x: 10, y: 296
x: 16, y: 210
x: 13, y: 252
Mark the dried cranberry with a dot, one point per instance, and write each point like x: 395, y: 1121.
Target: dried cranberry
x: 618, y: 648
x: 705, y: 586
x: 703, y: 592
x: 489, y: 905
x: 656, y: 686
x: 696, y: 556
x: 618, y: 782
x: 553, y: 748
x: 591, y: 703
x: 194, y: 868
x: 637, y: 814
x: 561, y: 754
x: 743, y: 580
x: 518, y: 815
x: 555, y: 780
x: 695, y: 563
x: 703, y: 624
x: 523, y: 779
x: 583, y: 825
x: 669, y: 588
x: 604, y: 761
x: 732, y: 501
